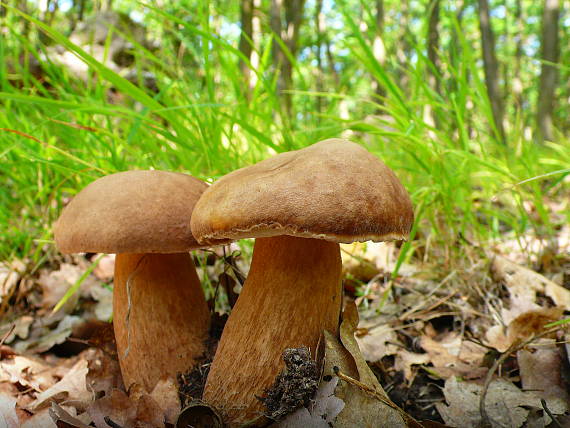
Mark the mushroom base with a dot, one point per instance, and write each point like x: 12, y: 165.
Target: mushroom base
x: 293, y: 292
x: 161, y: 318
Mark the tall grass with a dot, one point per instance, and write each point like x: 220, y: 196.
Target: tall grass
x: 470, y: 185
x: 59, y: 136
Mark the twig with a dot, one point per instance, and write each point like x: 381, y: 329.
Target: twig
x: 369, y: 390
x: 7, y: 334
x: 549, y: 413
x: 110, y: 422
x: 410, y: 312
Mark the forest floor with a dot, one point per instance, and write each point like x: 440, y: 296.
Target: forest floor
x: 439, y: 336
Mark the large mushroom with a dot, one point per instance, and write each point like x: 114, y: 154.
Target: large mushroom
x: 299, y: 205
x: 160, y: 315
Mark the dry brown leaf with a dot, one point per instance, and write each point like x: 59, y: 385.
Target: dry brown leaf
x: 540, y: 371
x: 507, y: 405
x: 165, y: 393
x: 453, y: 356
x: 347, y: 329
x: 9, y: 276
x: 529, y: 247
x: 105, y: 269
x: 8, y: 416
x: 406, y: 359
x: 61, y: 416
x: 362, y: 408
x: 532, y: 323
x: 104, y: 308
x: 138, y: 410
x: 39, y: 419
x: 71, y: 388
x: 377, y: 342
x: 526, y: 283
x: 45, y: 338
x: 356, y: 263
x: 525, y: 325
x: 18, y: 328
x: 28, y: 372
x: 496, y: 337
x: 55, y: 283
x: 104, y: 372
x: 116, y: 406
x: 149, y: 414
x: 366, y: 259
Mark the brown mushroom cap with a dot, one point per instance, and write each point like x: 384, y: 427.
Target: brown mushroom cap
x: 131, y: 212
x: 333, y: 190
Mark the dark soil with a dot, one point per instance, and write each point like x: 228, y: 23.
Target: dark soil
x: 294, y: 386
x: 191, y: 384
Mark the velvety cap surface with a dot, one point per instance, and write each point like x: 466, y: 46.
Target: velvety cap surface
x: 131, y: 212
x: 333, y: 190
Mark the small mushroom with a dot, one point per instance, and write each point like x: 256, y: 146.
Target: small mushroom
x: 299, y: 205
x: 160, y: 315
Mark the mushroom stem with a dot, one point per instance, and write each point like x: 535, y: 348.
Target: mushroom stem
x: 292, y: 293
x: 161, y: 318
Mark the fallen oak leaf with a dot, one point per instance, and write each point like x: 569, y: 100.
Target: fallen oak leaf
x: 451, y: 355
x: 138, y: 409
x: 515, y: 346
x: 540, y: 371
x: 72, y: 387
x: 117, y: 406
x: 27, y: 371
x: 20, y: 327
x: 45, y: 338
x: 361, y: 409
x: 165, y: 393
x: 347, y: 329
x: 405, y: 360
x: 507, y: 405
x: 8, y: 416
x: 63, y: 419
x: 526, y: 282
x: 377, y: 342
x: 532, y: 323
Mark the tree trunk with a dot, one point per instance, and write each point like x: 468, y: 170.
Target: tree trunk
x: 548, y: 73
x: 319, y: 19
x: 403, y: 50
x: 289, y: 34
x: 379, y: 48
x: 517, y: 86
x: 277, y: 52
x: 79, y: 6
x: 246, y: 36
x: 256, y: 41
x: 454, y: 44
x: 491, y: 67
x: 432, y: 48
x: 433, y: 43
x: 293, y: 19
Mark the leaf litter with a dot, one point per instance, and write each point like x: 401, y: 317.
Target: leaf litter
x: 427, y: 345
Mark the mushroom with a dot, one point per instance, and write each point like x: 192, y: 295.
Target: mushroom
x: 161, y: 318
x: 299, y: 205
